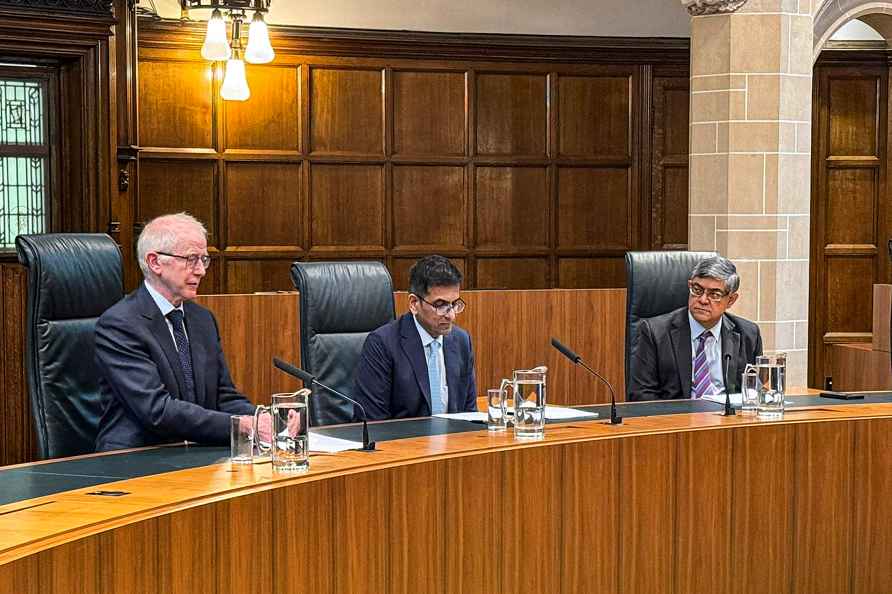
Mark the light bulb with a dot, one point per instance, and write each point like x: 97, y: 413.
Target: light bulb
x: 259, y: 50
x: 216, y: 46
x: 235, y: 85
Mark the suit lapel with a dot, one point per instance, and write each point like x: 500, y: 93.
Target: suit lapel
x: 680, y: 334
x: 158, y: 328
x: 196, y: 329
x: 410, y: 342
x: 452, y: 359
x: 730, y: 345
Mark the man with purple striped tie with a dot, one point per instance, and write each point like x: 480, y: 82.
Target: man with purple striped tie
x: 680, y: 354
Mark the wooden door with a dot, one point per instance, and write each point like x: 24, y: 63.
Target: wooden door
x: 850, y: 206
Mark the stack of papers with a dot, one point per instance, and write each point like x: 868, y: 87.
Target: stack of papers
x: 736, y: 399
x: 552, y: 413
x: 327, y: 444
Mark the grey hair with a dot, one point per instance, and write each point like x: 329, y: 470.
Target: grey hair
x: 161, y: 234
x: 719, y: 268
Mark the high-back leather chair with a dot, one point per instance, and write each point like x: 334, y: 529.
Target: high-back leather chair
x: 72, y: 279
x: 340, y: 303
x: 656, y: 283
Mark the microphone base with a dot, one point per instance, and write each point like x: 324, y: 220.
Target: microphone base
x: 728, y: 413
x: 370, y: 447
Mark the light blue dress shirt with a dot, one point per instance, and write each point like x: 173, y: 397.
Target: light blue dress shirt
x: 713, y: 353
x: 426, y: 340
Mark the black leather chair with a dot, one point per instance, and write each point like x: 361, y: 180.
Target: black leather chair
x: 72, y: 279
x: 340, y: 303
x: 656, y: 283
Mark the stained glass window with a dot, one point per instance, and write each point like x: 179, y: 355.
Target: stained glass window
x: 24, y: 155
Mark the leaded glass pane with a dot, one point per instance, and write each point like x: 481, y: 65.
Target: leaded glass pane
x: 21, y: 112
x: 22, y: 198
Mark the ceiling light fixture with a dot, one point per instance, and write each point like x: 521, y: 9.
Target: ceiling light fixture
x: 217, y: 48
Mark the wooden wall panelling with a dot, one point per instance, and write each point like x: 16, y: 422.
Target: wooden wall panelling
x: 872, y: 539
x: 20, y: 577
x: 263, y: 206
x: 823, y: 561
x: 19, y: 442
x: 762, y: 514
x: 704, y: 499
x: 850, y: 221
x: 253, y: 330
x: 68, y: 564
x: 395, y: 148
x: 669, y: 165
x: 176, y: 105
x: 647, y: 514
x: 475, y: 523
x: 590, y: 524
x: 531, y: 532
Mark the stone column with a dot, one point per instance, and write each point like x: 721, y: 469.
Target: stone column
x: 750, y: 168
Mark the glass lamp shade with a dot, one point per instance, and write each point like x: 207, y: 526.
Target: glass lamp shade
x: 216, y: 46
x: 235, y: 85
x: 259, y: 50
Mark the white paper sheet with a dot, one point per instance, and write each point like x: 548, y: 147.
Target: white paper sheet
x: 736, y: 398
x: 464, y: 416
x: 330, y: 445
x: 552, y: 413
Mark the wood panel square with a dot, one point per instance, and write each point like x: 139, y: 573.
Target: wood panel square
x: 512, y: 114
x: 263, y: 205
x: 594, y: 208
x: 512, y: 207
x: 429, y: 207
x: 346, y: 111
x: 429, y: 113
x: 176, y: 103
x: 248, y: 276
x: 853, y: 106
x: 346, y: 205
x: 175, y: 185
x: 511, y: 273
x: 592, y: 273
x: 399, y: 271
x: 849, y: 305
x: 271, y: 118
x: 675, y: 113
x: 851, y: 200
x: 594, y: 116
x: 674, y: 207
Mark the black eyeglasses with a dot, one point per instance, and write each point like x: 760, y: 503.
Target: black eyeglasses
x: 714, y: 295
x: 444, y: 307
x: 192, y: 260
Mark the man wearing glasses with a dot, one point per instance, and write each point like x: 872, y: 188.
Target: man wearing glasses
x: 420, y: 364
x: 682, y: 354
x: 163, y: 375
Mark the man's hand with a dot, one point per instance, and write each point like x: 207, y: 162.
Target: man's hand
x: 264, y: 427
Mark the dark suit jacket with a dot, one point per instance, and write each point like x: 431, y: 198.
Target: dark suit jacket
x: 661, y: 364
x: 142, y: 380
x: 392, y: 380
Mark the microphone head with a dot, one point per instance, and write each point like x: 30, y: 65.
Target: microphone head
x: 293, y: 371
x: 564, y: 350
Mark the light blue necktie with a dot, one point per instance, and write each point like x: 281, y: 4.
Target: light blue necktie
x: 433, y: 372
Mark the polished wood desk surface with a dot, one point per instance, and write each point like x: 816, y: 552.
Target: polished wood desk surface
x: 30, y: 526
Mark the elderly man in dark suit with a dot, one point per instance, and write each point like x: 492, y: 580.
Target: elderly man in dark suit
x: 164, y: 378
x: 421, y: 363
x: 682, y: 354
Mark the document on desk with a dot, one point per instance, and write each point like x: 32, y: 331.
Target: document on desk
x: 552, y: 413
x: 331, y: 445
x: 736, y: 398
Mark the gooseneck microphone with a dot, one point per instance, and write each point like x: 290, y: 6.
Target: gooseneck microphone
x: 310, y: 381
x: 729, y: 410
x: 615, y: 419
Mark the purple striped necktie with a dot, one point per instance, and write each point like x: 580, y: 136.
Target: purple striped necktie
x: 702, y: 383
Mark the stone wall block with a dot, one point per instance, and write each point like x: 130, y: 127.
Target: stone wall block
x: 709, y: 184
x: 745, y: 184
x: 710, y: 47
x: 756, y: 43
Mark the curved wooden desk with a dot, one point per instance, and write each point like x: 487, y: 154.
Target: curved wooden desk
x: 677, y: 504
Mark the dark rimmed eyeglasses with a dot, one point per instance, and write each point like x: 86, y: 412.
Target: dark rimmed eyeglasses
x: 192, y: 260
x: 444, y: 307
x: 714, y: 295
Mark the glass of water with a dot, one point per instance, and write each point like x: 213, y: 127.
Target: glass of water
x: 290, y: 430
x: 241, y: 439
x: 772, y: 384
x: 749, y: 391
x: 496, y: 408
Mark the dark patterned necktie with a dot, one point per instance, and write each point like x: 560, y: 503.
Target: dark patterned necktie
x: 702, y: 381
x: 179, y: 336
